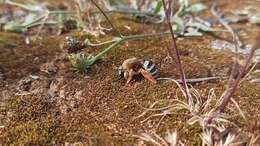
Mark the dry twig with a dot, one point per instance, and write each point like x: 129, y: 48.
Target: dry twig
x: 175, y: 50
x: 227, y: 95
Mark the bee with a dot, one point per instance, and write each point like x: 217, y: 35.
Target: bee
x: 134, y: 66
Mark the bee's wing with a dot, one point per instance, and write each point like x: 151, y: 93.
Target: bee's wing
x: 148, y: 76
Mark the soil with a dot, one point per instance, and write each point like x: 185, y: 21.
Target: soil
x: 45, y: 102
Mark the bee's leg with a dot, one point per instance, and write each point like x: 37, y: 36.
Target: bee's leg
x: 130, y: 76
x: 126, y: 74
x: 148, y: 76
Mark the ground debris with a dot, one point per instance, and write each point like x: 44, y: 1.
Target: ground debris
x: 2, y: 76
x: 72, y: 45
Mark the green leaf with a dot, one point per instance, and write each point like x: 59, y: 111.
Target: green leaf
x: 192, y: 32
x: 158, y: 7
x: 181, y: 11
x: 29, y: 7
x: 61, y: 18
x: 110, y: 4
x: 178, y: 25
x: 14, y: 26
x: 195, y: 8
x: 200, y: 26
x: 255, y: 19
x: 184, y: 2
x: 82, y: 5
x: 81, y: 62
x: 30, y: 18
x: 117, y: 38
x: 243, y: 12
x: 107, y: 4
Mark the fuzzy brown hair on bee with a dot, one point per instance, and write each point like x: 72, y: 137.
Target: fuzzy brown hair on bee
x: 134, y: 66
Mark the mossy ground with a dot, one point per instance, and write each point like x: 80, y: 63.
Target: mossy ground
x: 97, y: 108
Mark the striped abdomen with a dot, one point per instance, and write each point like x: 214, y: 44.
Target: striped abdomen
x: 150, y: 66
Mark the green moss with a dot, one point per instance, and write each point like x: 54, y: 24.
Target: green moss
x: 10, y: 38
x: 190, y: 133
x: 24, y: 134
x: 29, y: 122
x: 39, y: 123
x: 199, y: 70
x: 32, y: 107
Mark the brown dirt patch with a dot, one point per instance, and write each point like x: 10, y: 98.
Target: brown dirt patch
x: 97, y: 108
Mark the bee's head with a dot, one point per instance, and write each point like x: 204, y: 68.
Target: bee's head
x: 120, y: 72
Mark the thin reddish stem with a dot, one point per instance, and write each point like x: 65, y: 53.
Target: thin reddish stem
x: 234, y: 85
x: 175, y: 50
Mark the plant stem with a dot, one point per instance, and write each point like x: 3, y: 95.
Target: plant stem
x: 175, y: 49
x: 132, y: 12
x: 141, y: 36
x: 88, y: 43
x: 101, y: 54
x: 41, y: 23
x: 99, y: 8
x: 226, y: 96
x: 20, y: 5
x: 61, y: 12
x: 120, y: 40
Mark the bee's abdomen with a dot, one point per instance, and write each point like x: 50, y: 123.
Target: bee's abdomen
x: 150, y: 66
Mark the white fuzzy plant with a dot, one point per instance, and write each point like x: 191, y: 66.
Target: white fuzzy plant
x: 199, y: 111
x: 170, y: 139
